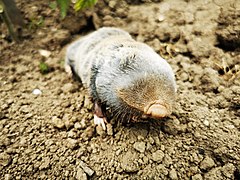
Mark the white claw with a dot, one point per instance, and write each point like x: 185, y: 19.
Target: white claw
x: 68, y: 70
x: 100, y: 121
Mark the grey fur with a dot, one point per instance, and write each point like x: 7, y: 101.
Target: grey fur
x: 109, y: 59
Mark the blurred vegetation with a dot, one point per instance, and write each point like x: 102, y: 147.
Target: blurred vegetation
x: 11, y: 15
x: 78, y: 5
x: 44, y: 69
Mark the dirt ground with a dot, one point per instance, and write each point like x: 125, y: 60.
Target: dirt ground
x: 51, y: 135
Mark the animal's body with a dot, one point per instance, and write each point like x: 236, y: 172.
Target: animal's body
x: 126, y: 75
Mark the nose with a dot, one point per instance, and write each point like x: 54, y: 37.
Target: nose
x: 156, y: 110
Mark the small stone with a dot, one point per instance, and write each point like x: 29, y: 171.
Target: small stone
x: 140, y: 146
x: 45, y: 164
x: 173, y: 174
x: 81, y: 175
x: 109, y: 129
x: 77, y: 125
x: 72, y: 134
x: 112, y: 4
x: 158, y: 156
x: 44, y: 53
x: 68, y: 123
x: 56, y: 122
x: 228, y: 170
x: 8, y: 177
x: 214, y: 173
x: 161, y: 18
x: 12, y: 79
x: 2, y: 115
x: 66, y: 173
x: 207, y: 163
x: 87, y: 103
x: 100, y: 131
x: 206, y: 122
x: 5, y: 159
x: 172, y: 126
x: 128, y: 162
x: 86, y: 169
x: 71, y: 143
x: 37, y: 92
x: 68, y: 88
x: 118, y: 152
x: 83, y: 123
x: 197, y: 177
x: 88, y: 133
x: 162, y: 169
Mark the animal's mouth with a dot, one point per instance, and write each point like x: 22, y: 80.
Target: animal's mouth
x: 157, y: 109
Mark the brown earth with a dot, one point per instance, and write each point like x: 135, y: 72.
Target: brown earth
x: 52, y: 136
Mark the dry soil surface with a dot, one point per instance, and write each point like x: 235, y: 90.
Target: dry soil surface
x: 51, y: 135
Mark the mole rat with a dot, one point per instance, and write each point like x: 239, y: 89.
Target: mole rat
x: 127, y: 76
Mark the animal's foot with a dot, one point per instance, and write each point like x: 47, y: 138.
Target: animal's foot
x: 100, y: 121
x: 68, y: 70
x: 100, y: 115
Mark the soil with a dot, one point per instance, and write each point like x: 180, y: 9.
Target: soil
x: 46, y: 120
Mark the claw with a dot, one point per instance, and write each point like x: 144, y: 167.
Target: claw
x: 99, y: 115
x: 68, y: 70
x: 100, y: 121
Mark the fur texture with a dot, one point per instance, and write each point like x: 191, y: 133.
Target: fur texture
x: 120, y: 72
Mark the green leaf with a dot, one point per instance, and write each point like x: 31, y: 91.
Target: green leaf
x: 44, y: 69
x: 64, y: 5
x: 53, y: 5
x: 81, y: 4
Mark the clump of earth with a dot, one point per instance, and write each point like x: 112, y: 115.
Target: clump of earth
x: 46, y: 119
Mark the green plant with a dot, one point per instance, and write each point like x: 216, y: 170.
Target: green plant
x: 36, y: 22
x: 53, y: 5
x: 44, y: 69
x: 78, y: 5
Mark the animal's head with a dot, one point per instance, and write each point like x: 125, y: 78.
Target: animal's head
x: 151, y: 94
x: 148, y: 84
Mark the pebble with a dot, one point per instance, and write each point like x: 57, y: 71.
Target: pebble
x: 71, y: 143
x: 128, y: 163
x: 81, y: 175
x: 37, y: 92
x: 100, y: 131
x: 56, y: 122
x: 88, y: 133
x: 161, y: 18
x: 112, y: 4
x: 197, y: 177
x: 109, y: 129
x: 45, y: 164
x: 77, y: 125
x: 207, y: 163
x: 68, y: 88
x: 44, y: 53
x: 68, y: 123
x: 172, y: 126
x: 86, y: 169
x: 8, y: 177
x: 173, y: 174
x: 88, y: 103
x: 5, y: 159
x: 140, y: 146
x: 206, y: 122
x: 158, y: 156
x: 162, y: 169
x: 228, y: 170
x: 72, y: 134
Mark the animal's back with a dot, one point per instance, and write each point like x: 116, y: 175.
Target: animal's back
x: 81, y: 54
